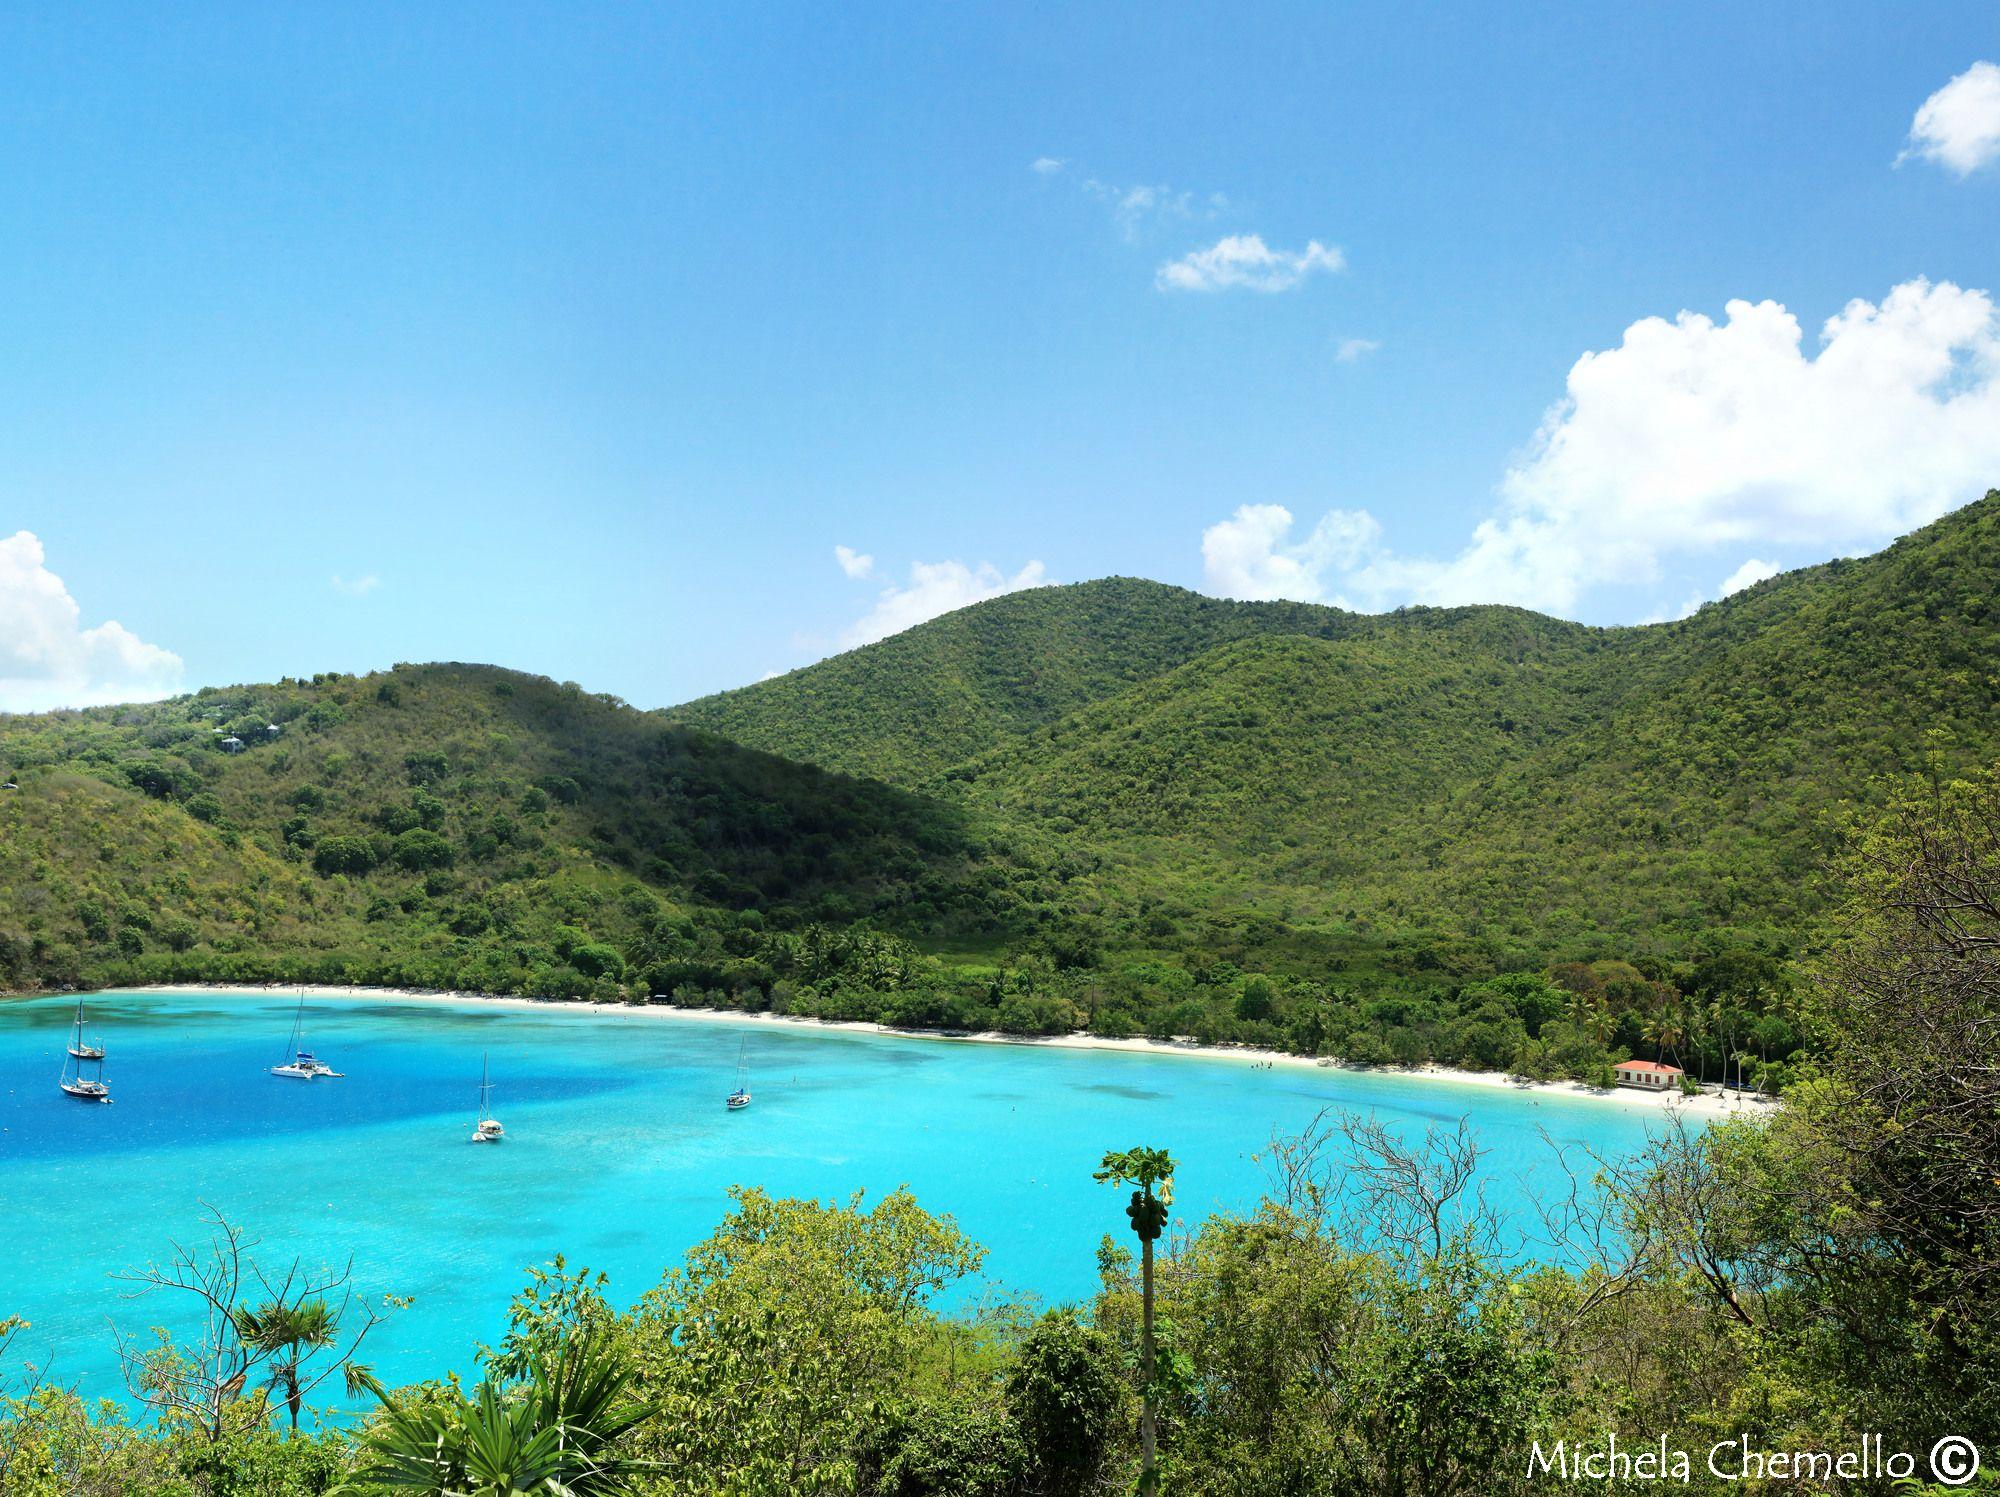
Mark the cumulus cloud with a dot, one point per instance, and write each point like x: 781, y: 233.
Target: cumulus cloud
x: 1691, y: 437
x: 356, y: 587
x: 1959, y: 126
x: 933, y: 588
x: 1251, y: 554
x: 48, y: 659
x: 1749, y: 574
x: 1354, y: 350
x: 1244, y: 262
x: 853, y: 562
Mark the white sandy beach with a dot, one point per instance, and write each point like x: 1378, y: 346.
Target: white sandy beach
x: 1708, y: 1104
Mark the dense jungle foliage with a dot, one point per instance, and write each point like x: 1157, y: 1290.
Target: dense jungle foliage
x: 1767, y: 1296
x: 1475, y: 836
x: 1492, y: 788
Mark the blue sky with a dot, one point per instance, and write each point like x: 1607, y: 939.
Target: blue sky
x: 578, y: 338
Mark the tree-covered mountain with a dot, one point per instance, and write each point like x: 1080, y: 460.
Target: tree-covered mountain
x: 1510, y: 784
x: 450, y: 825
x: 914, y: 705
x: 1115, y: 804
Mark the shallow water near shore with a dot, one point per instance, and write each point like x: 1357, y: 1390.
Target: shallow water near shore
x: 618, y: 1151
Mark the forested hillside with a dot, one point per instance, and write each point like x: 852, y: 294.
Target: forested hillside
x: 1117, y: 805
x: 1509, y: 785
x: 912, y: 706
x: 451, y: 825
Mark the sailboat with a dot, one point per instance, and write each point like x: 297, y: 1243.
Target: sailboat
x: 81, y: 1048
x: 84, y: 1053
x: 487, y: 1129
x: 740, y: 1098
x: 301, y: 1065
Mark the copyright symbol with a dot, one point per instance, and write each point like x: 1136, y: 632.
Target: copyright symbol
x: 1954, y: 1460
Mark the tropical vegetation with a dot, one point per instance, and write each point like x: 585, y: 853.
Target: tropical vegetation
x: 1474, y: 836
x: 1793, y: 1283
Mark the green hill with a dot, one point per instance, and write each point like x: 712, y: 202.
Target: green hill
x: 1508, y: 785
x: 1705, y: 804
x: 1257, y: 744
x: 449, y: 825
x: 916, y: 704
x: 1115, y: 804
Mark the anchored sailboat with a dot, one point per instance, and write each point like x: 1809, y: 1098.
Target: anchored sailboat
x: 81, y: 1048
x: 740, y: 1098
x: 84, y: 1053
x: 301, y: 1064
x: 487, y: 1129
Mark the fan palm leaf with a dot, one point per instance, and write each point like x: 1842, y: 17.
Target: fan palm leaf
x: 553, y: 1435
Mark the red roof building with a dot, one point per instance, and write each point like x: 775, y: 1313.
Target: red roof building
x: 1648, y: 1075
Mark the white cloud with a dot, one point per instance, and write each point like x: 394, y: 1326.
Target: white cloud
x: 48, y: 659
x: 936, y: 587
x: 1133, y: 206
x: 356, y: 587
x: 1692, y: 436
x: 1749, y: 574
x: 1249, y: 555
x: 1959, y: 126
x: 1245, y: 262
x: 1354, y: 350
x: 853, y: 562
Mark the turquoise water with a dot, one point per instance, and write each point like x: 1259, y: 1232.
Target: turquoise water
x: 618, y: 1148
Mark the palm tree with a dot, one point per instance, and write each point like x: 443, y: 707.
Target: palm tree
x: 1663, y: 1031
x: 554, y: 1433
x: 1649, y: 1034
x: 1598, y: 1020
x: 1152, y: 1170
x: 1715, y: 1030
x: 288, y: 1334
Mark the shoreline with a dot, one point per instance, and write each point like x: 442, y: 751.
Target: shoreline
x: 1708, y: 1104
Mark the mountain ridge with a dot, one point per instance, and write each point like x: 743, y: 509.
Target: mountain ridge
x: 1038, y: 661
x: 1273, y: 822
x: 1618, y: 770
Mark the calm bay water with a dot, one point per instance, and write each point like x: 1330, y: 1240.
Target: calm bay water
x: 618, y: 1149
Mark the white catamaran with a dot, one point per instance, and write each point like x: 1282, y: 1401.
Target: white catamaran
x: 82, y: 1053
x: 740, y: 1098
x: 487, y: 1129
x: 301, y: 1063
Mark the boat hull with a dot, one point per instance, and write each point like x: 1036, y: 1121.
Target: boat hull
x: 87, y: 1091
